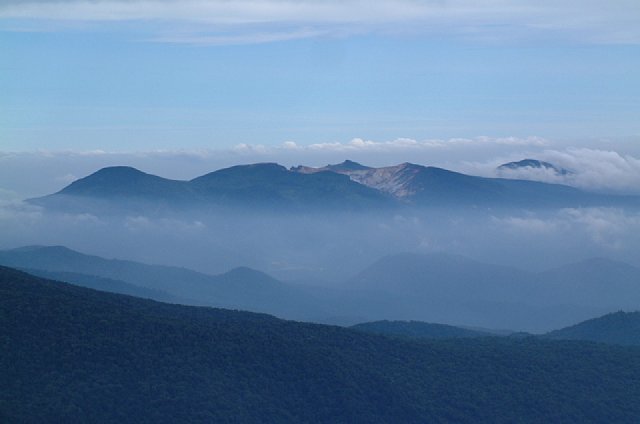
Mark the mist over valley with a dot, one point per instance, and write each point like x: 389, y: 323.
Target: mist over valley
x: 344, y: 243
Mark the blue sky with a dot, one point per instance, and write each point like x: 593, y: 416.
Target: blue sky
x: 161, y: 74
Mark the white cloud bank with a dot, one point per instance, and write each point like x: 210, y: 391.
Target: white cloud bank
x: 397, y: 145
x: 588, y: 168
x: 255, y: 21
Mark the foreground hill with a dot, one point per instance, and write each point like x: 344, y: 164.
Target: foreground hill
x: 621, y: 328
x: 72, y: 354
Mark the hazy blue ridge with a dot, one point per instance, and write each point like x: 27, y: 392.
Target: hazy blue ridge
x: 437, y: 287
x: 240, y: 288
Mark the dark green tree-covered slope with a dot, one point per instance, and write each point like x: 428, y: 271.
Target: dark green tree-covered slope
x: 418, y: 330
x: 71, y: 354
x: 621, y: 328
x: 109, y: 285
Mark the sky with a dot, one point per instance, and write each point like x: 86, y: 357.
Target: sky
x: 457, y: 83
x: 166, y: 74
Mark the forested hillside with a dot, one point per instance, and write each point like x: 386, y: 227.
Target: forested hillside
x: 72, y: 354
x: 621, y: 328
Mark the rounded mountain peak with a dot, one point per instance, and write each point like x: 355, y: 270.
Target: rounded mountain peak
x: 120, y: 180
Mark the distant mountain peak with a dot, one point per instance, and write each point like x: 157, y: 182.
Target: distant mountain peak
x: 347, y: 165
x: 120, y: 180
x: 263, y: 165
x: 120, y: 169
x: 533, y: 164
x: 410, y: 165
x: 118, y: 173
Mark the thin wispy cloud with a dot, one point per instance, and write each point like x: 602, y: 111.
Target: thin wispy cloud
x: 259, y: 21
x: 397, y: 145
x: 248, y: 38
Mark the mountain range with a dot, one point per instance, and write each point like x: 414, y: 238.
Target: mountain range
x: 454, y: 289
x: 591, y: 282
x: 239, y: 288
x: 432, y: 186
x: 72, y: 354
x: 427, y: 287
x: 264, y: 185
x: 345, y: 186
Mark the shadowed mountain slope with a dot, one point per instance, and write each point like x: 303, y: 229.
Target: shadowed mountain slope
x: 241, y: 288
